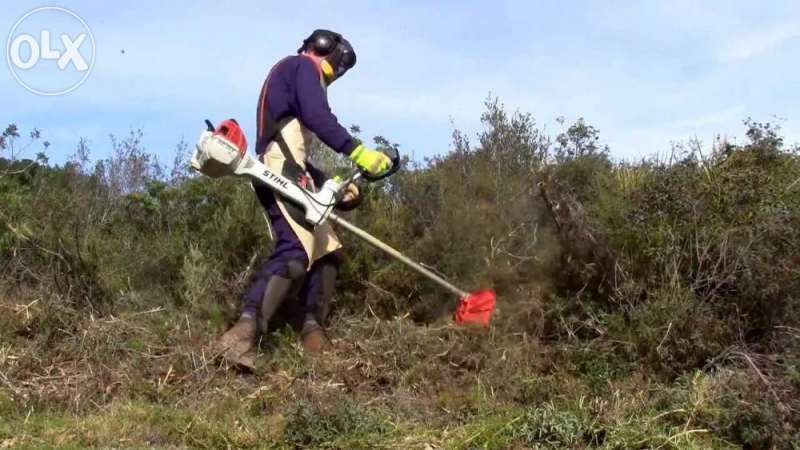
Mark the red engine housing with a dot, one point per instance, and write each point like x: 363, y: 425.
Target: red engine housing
x: 232, y: 132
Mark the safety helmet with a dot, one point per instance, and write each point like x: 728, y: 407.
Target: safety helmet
x: 337, y: 54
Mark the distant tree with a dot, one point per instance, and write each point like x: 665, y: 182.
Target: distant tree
x: 14, y: 162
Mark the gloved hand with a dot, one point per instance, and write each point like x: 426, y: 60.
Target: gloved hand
x: 371, y: 161
x: 351, y: 198
x: 351, y: 193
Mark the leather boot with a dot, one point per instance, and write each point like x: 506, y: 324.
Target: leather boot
x: 313, y: 337
x: 236, y: 344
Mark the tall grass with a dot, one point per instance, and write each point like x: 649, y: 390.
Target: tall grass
x: 641, y: 305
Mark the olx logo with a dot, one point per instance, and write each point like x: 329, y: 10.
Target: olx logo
x: 50, y: 51
x: 43, y: 51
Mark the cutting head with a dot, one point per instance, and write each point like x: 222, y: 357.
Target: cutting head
x: 476, y: 308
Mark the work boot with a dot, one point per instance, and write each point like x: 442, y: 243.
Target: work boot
x: 313, y: 337
x: 236, y: 344
x: 247, y: 360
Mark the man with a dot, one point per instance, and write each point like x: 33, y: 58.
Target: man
x: 292, y: 107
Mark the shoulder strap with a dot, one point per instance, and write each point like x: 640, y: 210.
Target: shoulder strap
x: 274, y: 128
x: 271, y: 127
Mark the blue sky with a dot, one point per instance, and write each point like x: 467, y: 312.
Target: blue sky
x: 645, y: 73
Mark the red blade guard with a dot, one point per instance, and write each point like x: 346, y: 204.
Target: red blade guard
x: 476, y: 308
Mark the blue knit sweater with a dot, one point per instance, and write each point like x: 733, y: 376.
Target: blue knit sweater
x: 293, y: 89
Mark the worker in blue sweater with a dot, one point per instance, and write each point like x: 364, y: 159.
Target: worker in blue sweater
x: 292, y: 109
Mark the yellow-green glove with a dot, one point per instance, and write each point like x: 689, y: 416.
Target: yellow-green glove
x: 371, y: 161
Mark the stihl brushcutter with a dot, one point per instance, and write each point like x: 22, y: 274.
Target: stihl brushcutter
x: 222, y: 151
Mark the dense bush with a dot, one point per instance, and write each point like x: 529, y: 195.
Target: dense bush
x: 680, y: 269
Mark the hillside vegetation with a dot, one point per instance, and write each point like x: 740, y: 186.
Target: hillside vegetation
x: 650, y: 304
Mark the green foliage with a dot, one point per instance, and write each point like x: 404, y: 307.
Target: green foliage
x: 734, y: 405
x: 717, y: 234
x: 648, y: 305
x: 198, y: 277
x: 342, y: 425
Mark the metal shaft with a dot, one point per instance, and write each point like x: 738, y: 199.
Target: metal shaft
x: 375, y: 242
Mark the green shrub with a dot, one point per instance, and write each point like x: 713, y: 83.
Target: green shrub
x: 341, y: 425
x: 638, y: 274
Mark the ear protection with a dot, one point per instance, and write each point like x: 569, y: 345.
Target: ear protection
x: 338, y: 55
x: 323, y: 42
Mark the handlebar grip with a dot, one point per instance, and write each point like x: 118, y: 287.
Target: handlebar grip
x: 394, y: 156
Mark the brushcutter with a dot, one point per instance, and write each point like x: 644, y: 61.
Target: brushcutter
x: 222, y: 151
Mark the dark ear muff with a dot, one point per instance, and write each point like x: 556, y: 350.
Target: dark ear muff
x: 324, y: 43
x: 337, y: 53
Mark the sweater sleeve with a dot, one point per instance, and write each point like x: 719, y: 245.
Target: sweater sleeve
x: 315, y: 113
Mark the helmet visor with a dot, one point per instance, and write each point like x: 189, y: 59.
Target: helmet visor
x: 342, y: 59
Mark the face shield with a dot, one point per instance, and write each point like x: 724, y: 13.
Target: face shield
x: 337, y: 54
x: 339, y: 61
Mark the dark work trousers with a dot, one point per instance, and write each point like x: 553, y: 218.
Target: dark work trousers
x: 314, y: 288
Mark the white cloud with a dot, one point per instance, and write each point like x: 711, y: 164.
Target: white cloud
x: 724, y: 116
x: 635, y: 142
x: 759, y: 41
